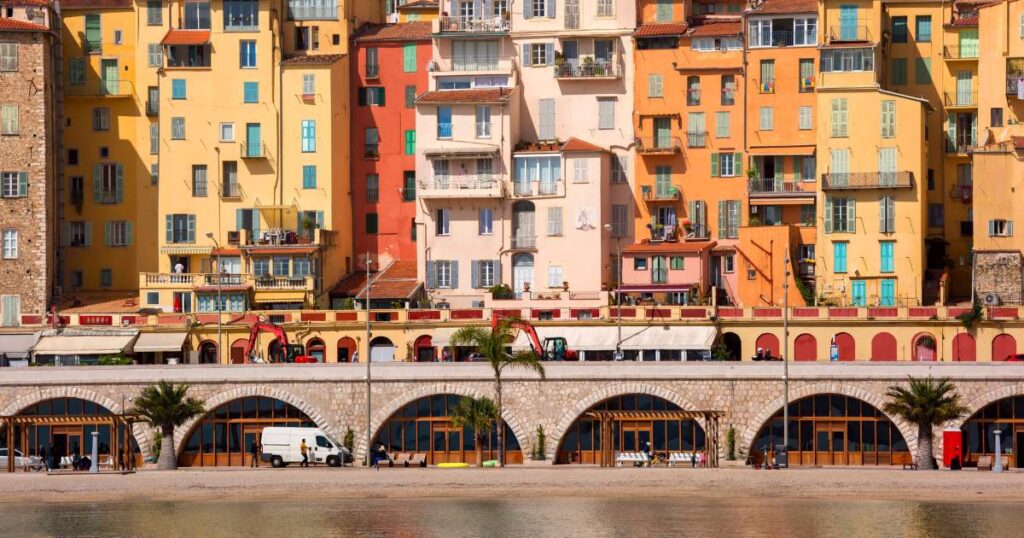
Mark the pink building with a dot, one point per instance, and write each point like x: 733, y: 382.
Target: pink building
x: 666, y: 272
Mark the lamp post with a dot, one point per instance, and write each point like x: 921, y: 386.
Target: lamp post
x: 618, y: 294
x: 219, y: 304
x: 997, y: 466
x: 785, y: 355
x: 366, y: 294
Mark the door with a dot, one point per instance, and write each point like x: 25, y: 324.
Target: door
x: 848, y: 22
x: 969, y: 43
x: 445, y: 443
x: 1018, y: 449
x: 635, y: 435
x: 108, y: 69
x: 522, y: 272
x: 888, y: 292
x: 252, y: 140
x: 572, y: 14
x: 571, y: 52
x: 964, y: 87
x: 859, y: 293
x: 716, y: 271
x: 830, y: 443
x: 886, y: 166
x: 250, y: 435
x: 662, y: 132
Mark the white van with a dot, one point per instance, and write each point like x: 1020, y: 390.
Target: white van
x: 281, y: 447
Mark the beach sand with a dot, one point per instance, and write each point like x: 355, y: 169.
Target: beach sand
x: 533, y: 481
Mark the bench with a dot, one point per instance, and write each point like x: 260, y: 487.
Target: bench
x: 106, y: 462
x: 65, y: 462
x: 631, y: 457
x: 984, y: 463
x: 912, y: 466
x: 416, y: 460
x: 681, y: 457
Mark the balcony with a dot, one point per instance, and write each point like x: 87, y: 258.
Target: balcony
x: 952, y: 52
x: 696, y: 232
x: 282, y: 283
x: 759, y: 187
x: 659, y: 145
x: 867, y: 180
x: 589, y: 70
x: 312, y: 10
x: 444, y: 130
x: 254, y: 150
x: 697, y: 140
x: 782, y: 38
x: 661, y: 233
x: 464, y: 186
x: 963, y: 191
x: 523, y: 189
x: 170, y: 281
x: 524, y: 242
x: 282, y: 237
x: 961, y: 99
x: 100, y: 88
x: 470, y: 63
x: 449, y: 25
x: 849, y: 33
x: 963, y: 143
x: 661, y: 192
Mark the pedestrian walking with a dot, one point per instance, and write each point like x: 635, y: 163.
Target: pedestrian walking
x: 254, y: 451
x: 693, y: 460
x: 44, y: 458
x: 304, y: 449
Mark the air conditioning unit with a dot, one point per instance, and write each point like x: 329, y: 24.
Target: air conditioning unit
x: 991, y: 299
x: 478, y: 304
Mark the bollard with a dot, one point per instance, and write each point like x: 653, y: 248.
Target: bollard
x: 997, y: 466
x: 95, y: 466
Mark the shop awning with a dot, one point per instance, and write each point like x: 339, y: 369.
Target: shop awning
x: 157, y: 342
x: 460, y: 152
x: 782, y: 150
x: 184, y: 250
x: 17, y: 346
x: 656, y: 288
x: 186, y: 37
x: 84, y: 345
x: 604, y: 338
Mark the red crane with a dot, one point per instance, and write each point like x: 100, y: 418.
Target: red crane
x: 553, y: 348
x: 292, y: 352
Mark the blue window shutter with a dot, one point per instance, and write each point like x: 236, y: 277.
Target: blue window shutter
x: 129, y: 233
x: 497, y: 271
x: 551, y: 9
x: 238, y: 219
x: 22, y: 183
x: 169, y: 229
x: 549, y: 53
x: 320, y: 219
x: 97, y: 183
x: 119, y: 184
x: 455, y: 274
x: 474, y: 274
x: 526, y: 55
x: 431, y: 280
x: 528, y: 8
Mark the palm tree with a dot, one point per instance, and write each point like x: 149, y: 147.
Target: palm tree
x: 927, y: 402
x: 479, y: 414
x: 165, y: 406
x: 492, y: 344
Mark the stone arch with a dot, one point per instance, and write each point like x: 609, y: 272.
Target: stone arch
x: 139, y: 431
x: 980, y: 401
x: 621, y: 389
x: 182, y: 433
x: 381, y: 415
x: 805, y: 348
x: 768, y: 410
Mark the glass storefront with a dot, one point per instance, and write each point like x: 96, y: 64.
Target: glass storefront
x: 225, y: 435
x: 1005, y: 416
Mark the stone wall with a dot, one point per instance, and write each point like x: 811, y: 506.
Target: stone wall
x: 1001, y: 273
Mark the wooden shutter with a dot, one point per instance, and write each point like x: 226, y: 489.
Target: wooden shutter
x: 97, y: 183
x: 454, y: 264
x: 22, y: 183
x: 119, y: 183
x: 828, y: 214
x: 431, y: 275
x: 851, y: 215
x: 714, y: 165
x: 723, y: 219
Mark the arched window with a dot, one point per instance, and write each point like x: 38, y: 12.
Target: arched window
x: 208, y: 352
x: 522, y: 271
x: 424, y: 350
x: 883, y: 347
x: 382, y: 350
x: 805, y: 348
x: 224, y: 436
x: 1003, y: 347
x: 346, y: 349
x: 315, y: 348
x: 965, y: 348
x: 847, y: 346
x: 238, y: 351
x: 1006, y: 415
x: 924, y: 347
x: 769, y: 343
x: 733, y: 346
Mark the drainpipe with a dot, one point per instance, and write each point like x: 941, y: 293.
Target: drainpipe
x: 279, y: 96
x: 58, y: 135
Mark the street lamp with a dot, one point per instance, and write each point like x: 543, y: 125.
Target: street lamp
x: 785, y: 355
x: 366, y: 295
x: 211, y: 237
x: 618, y: 294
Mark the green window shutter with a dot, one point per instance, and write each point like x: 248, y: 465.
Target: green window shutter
x: 410, y: 97
x: 714, y: 165
x: 828, y: 215
x: 119, y: 184
x: 409, y: 57
x: 737, y: 165
x: 851, y: 215
x: 106, y: 233
x: 798, y: 168
x: 381, y: 97
x: 22, y: 183
x: 320, y: 219
x: 129, y: 234
x: 191, y: 228
x: 168, y: 229
x: 723, y: 219
x: 97, y: 183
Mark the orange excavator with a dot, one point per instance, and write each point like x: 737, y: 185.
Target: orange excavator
x: 553, y: 348
x: 292, y: 352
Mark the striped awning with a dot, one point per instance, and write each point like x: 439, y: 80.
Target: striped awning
x: 184, y: 250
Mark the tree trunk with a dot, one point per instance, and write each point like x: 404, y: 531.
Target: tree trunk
x: 501, y: 423
x: 480, y: 440
x: 924, y: 447
x: 167, y: 460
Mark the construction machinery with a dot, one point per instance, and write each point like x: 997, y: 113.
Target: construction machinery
x: 554, y: 348
x: 291, y: 352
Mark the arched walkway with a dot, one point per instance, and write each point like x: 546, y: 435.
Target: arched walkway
x: 805, y: 348
x: 769, y: 343
x: 346, y: 349
x: 924, y: 346
x: 1003, y: 346
x: 1006, y: 415
x: 733, y: 346
x: 238, y: 351
x: 208, y: 352
x: 382, y: 350
x: 847, y: 346
x: 965, y: 348
x: 883, y: 347
x: 424, y: 349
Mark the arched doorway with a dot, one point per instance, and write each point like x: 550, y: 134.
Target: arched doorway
x: 1006, y: 415
x: 424, y: 349
x: 315, y: 348
x: 805, y: 348
x: 769, y: 343
x: 346, y: 349
x: 1003, y: 347
x: 924, y: 347
x: 833, y: 429
x: 965, y: 348
x: 733, y: 346
x: 224, y: 436
x: 847, y: 346
x: 422, y: 427
x: 522, y: 271
x: 581, y: 443
x: 883, y: 347
x: 238, y: 351
x: 382, y: 350
x: 208, y: 352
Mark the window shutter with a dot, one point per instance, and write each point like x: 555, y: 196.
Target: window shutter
x: 106, y: 233
x: 88, y: 234
x: 851, y: 215
x: 22, y: 183
x: 526, y: 54
x: 734, y: 218
x: 454, y: 264
x: 320, y: 219
x: 475, y: 274
x: 951, y: 130
x: 974, y: 129
x: 737, y: 165
x: 798, y: 168
x: 381, y: 98
x: 169, y: 229
x: 431, y: 282
x: 119, y: 184
x: 97, y: 183
x: 892, y: 215
x: 549, y: 53
x: 65, y: 234
x: 714, y: 165
x: 528, y: 10
x: 723, y: 219
x: 551, y: 9
x: 497, y: 271
x: 1009, y: 228
x: 992, y: 223
x: 191, y: 228
x: 362, y: 96
x: 238, y: 219
x: 828, y: 215
x: 128, y: 233
x: 883, y: 216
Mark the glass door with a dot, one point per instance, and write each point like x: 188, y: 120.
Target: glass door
x: 848, y: 22
x: 108, y: 68
x: 662, y: 132
x: 964, y: 88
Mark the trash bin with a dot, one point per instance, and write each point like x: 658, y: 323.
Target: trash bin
x: 781, y: 456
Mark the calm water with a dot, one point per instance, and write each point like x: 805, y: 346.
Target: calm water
x: 516, y: 517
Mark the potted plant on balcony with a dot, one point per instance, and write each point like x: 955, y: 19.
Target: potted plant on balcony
x: 565, y: 285
x: 307, y: 226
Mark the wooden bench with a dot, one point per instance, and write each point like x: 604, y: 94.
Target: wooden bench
x: 984, y: 463
x: 911, y: 465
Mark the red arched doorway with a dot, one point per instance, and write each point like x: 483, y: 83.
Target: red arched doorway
x: 1003, y: 346
x: 315, y: 348
x: 769, y: 343
x: 805, y: 348
x: 847, y: 346
x: 965, y: 348
x: 883, y: 347
x: 346, y: 349
x: 238, y: 351
x: 424, y: 349
x: 924, y: 347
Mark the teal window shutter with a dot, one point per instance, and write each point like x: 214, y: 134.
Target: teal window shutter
x: 409, y: 57
x: 106, y: 233
x: 119, y: 184
x: 22, y: 183
x: 129, y: 233
x: 168, y: 228
x: 97, y: 183
x: 178, y: 88
x: 251, y: 92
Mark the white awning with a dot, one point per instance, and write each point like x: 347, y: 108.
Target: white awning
x: 17, y: 346
x: 603, y: 338
x: 83, y: 345
x: 153, y: 342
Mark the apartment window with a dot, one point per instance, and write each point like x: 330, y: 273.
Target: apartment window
x: 93, y: 35
x: 117, y: 233
x: 923, y: 28
x: 554, y: 221
x: 722, y: 120
x: 79, y: 234
x: 410, y: 142
x: 199, y: 180
x: 15, y: 184
x: 546, y: 130
x: 807, y: 215
x: 444, y: 122
x: 409, y: 186
x: 301, y: 267
x: 410, y: 96
x: 839, y: 118
x: 655, y: 85
x: 101, y: 119
x: 485, y: 273
x: 677, y: 263
x: 1000, y: 228
x: 409, y: 57
x: 620, y: 220
x: 227, y: 132
x: 371, y: 66
x: 372, y: 187
x: 923, y: 70
x: 154, y: 174
x: 767, y: 84
x: 118, y: 37
x: 996, y: 119
x: 888, y: 119
x: 847, y: 60
x: 281, y: 265
x: 442, y: 221
x: 839, y: 256
x: 809, y: 168
x: 806, y: 75
x: 580, y: 170
x: 309, y: 176
x: 805, y: 119
x: 538, y: 54
x: 485, y: 221
x: 10, y: 244
x: 620, y: 168
x: 371, y: 223
x: 76, y: 69
x: 106, y: 278
x: 372, y: 96
x: 261, y: 266
x: 440, y: 173
x: 604, y: 8
x: 229, y: 173
x: 250, y: 92
x: 726, y: 164
x: 767, y: 118
x: 729, y: 264
x: 840, y: 215
x: 692, y: 90
x: 639, y: 264
x: 177, y: 128
x: 899, y: 29
x: 887, y: 215
x: 605, y: 113
x: 887, y: 255
x: 180, y: 228
x: 483, y: 122
x: 445, y: 273
x: 76, y: 279
x: 108, y: 183
x: 9, y: 119
x: 308, y: 85
x: 538, y: 8
x: 728, y: 219
x: 697, y: 210
x: 899, y: 71
x: 154, y: 13
x: 241, y: 15
x: 555, y: 276
x: 728, y: 89
x: 936, y: 216
x: 197, y: 15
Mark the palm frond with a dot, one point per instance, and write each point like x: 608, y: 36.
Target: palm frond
x: 925, y: 401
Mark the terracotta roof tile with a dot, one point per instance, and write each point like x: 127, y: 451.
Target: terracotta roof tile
x: 716, y: 28
x: 98, y: 303
x: 408, y: 31
x: 964, y: 22
x: 660, y: 29
x: 186, y: 37
x: 418, y: 5
x: 398, y: 281
x: 18, y: 25
x: 575, y: 144
x: 786, y: 6
x: 39, y: 3
x: 485, y: 95
x: 96, y: 4
x: 538, y: 147
x: 312, y: 59
x: 670, y: 246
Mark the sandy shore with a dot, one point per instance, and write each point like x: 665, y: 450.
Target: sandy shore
x: 192, y: 484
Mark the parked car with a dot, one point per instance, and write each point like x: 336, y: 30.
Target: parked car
x: 281, y: 446
x: 1019, y: 357
x: 20, y: 460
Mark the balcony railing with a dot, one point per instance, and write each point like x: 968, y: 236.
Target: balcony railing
x: 179, y: 280
x: 588, y: 70
x: 658, y: 145
x: 807, y: 84
x: 782, y: 38
x: 696, y: 140
x: 962, y: 191
x: 256, y: 150
x: 662, y: 192
x: 444, y: 130
x: 100, y: 88
x: 543, y: 188
x: 475, y: 63
x: 849, y: 33
x: 953, y: 52
x: 467, y: 186
x: 968, y: 99
x: 867, y: 180
x: 524, y: 241
x: 276, y: 237
x: 271, y: 283
x: 768, y: 187
x: 224, y: 279
x: 473, y: 25
x: 697, y: 231
x: 961, y: 144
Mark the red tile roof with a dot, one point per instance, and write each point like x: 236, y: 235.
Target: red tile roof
x: 398, y: 281
x: 186, y: 37
x: 38, y: 3
x: 963, y: 22
x: 18, y: 25
x: 96, y: 4
x: 408, y: 31
x: 670, y: 247
x: 417, y: 5
x: 538, y: 147
x: 485, y: 95
x: 312, y: 59
x: 659, y: 29
x: 98, y: 303
x: 717, y: 28
x: 786, y: 6
x: 575, y: 144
